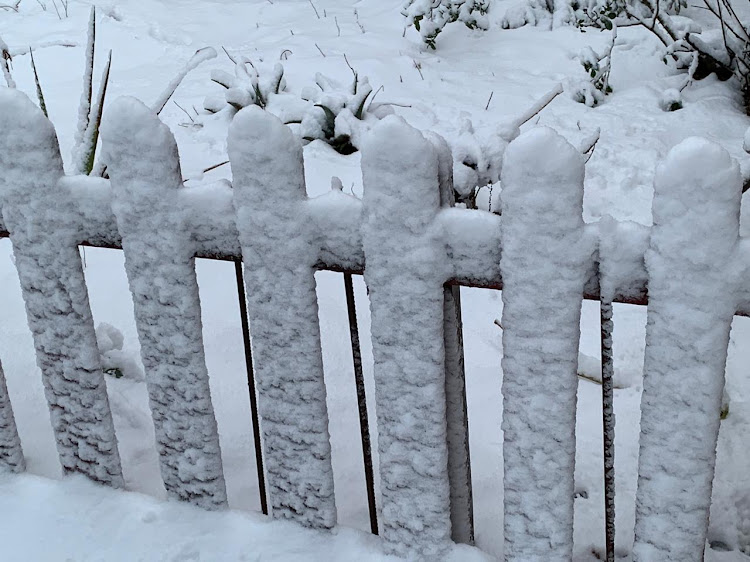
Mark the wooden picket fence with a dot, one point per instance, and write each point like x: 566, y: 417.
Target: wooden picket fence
x: 415, y: 249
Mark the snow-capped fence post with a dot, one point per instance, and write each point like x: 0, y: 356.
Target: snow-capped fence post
x: 279, y: 252
x: 144, y: 168
x: 42, y: 223
x: 692, y: 262
x: 544, y: 261
x: 11, y: 454
x: 405, y: 273
x: 459, y: 459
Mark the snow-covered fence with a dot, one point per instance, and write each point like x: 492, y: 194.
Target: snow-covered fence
x: 413, y: 248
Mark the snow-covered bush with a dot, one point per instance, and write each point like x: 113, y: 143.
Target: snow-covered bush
x: 332, y: 112
x: 429, y: 17
x: 592, y: 91
x: 340, y: 115
x: 246, y: 86
x: 116, y: 362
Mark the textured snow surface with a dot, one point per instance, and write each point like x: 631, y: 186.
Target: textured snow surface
x: 43, y: 228
x: 279, y: 250
x: 82, y: 521
x: 693, y: 265
x: 545, y: 256
x: 405, y: 272
x: 145, y: 176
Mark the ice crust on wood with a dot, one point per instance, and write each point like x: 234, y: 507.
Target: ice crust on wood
x: 405, y: 273
x: 144, y: 168
x: 43, y: 224
x: 693, y: 264
x: 279, y: 250
x: 546, y: 251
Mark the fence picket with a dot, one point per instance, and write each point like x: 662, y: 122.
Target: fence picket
x: 405, y: 275
x: 693, y: 265
x: 279, y: 252
x: 544, y: 260
x: 145, y: 173
x: 42, y: 223
x: 11, y: 454
x: 457, y: 416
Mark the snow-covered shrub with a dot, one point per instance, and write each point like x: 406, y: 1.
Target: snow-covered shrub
x: 477, y: 161
x: 115, y: 362
x: 671, y: 100
x: 340, y: 115
x: 593, y: 91
x: 332, y: 112
x: 550, y: 13
x: 429, y: 17
x: 246, y: 86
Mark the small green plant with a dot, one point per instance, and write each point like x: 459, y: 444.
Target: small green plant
x: 115, y: 372
x: 429, y: 17
x: 246, y: 87
x: 593, y: 91
x: 334, y: 113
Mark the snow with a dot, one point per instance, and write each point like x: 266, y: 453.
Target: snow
x: 93, y: 523
x: 152, y: 39
x: 692, y: 261
x: 279, y: 252
x: 143, y: 164
x: 544, y: 260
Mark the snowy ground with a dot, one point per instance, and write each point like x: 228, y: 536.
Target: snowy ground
x: 150, y: 40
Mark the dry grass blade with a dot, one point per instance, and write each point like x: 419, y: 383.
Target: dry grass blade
x: 92, y: 133
x: 39, y: 93
x: 84, y: 107
x: 200, y: 56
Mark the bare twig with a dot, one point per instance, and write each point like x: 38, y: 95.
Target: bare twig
x: 57, y: 11
x: 184, y: 111
x: 356, y: 19
x: 372, y: 99
x: 230, y: 57
x: 486, y: 107
x: 219, y: 165
x: 338, y: 29
x: 539, y: 105
x: 319, y: 49
x: 314, y: 8
x: 42, y: 4
x: 418, y: 66
x: 354, y: 72
x: 13, y: 7
x: 285, y: 54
